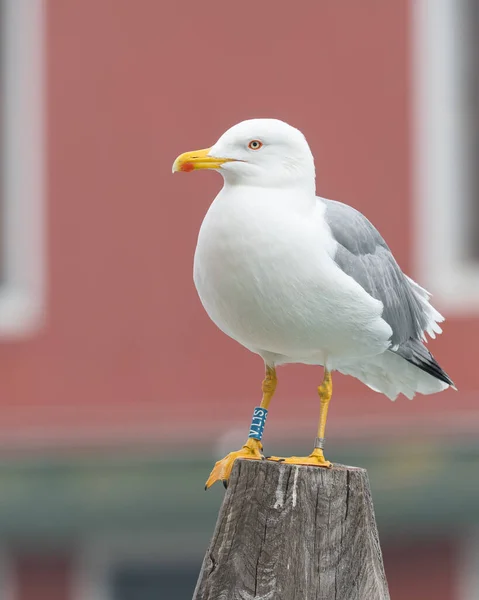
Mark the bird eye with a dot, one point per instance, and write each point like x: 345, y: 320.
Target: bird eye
x: 255, y: 145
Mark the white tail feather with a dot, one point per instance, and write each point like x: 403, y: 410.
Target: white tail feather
x: 391, y: 375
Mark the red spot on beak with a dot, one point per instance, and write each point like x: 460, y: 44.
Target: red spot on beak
x: 188, y: 167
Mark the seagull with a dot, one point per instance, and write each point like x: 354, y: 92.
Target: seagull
x: 297, y: 278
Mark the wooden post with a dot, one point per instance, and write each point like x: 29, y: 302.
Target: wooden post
x: 287, y: 532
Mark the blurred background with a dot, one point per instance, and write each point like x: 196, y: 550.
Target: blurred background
x: 117, y: 394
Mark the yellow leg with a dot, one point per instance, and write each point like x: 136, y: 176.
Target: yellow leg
x: 316, y: 458
x: 253, y: 447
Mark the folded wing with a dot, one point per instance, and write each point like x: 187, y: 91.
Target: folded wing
x: 363, y: 254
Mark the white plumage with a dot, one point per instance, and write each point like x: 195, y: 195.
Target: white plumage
x: 299, y: 279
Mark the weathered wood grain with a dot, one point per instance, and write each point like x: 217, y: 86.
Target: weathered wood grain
x: 294, y: 533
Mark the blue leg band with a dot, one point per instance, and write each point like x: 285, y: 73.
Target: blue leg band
x: 257, y: 423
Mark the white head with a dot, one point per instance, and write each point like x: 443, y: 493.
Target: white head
x: 259, y: 152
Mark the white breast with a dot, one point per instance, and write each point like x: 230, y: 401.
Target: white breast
x: 264, y: 273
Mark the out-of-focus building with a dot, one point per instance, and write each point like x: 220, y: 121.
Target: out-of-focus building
x: 116, y: 392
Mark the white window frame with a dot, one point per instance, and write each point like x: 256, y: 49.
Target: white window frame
x: 440, y: 146
x: 23, y: 173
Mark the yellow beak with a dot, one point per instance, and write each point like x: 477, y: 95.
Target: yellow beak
x: 198, y: 159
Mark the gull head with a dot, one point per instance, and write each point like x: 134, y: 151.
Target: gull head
x: 258, y: 152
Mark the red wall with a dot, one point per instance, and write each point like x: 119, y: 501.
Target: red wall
x: 422, y: 569
x: 42, y: 577
x: 130, y: 86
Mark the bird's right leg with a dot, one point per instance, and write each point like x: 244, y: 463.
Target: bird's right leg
x: 253, y: 446
x: 316, y: 458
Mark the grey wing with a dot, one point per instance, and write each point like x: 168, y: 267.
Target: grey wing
x: 363, y: 254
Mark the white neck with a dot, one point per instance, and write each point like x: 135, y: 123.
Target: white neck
x: 297, y: 198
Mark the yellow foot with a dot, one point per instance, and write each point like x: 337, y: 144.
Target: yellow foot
x: 315, y: 459
x: 222, y: 469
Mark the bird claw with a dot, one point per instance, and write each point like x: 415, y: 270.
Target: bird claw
x: 222, y: 469
x: 315, y: 459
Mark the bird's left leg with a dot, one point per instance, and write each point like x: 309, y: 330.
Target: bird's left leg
x: 253, y: 446
x: 316, y: 458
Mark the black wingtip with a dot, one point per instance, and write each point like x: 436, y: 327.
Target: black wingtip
x: 418, y: 355
x: 433, y: 368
